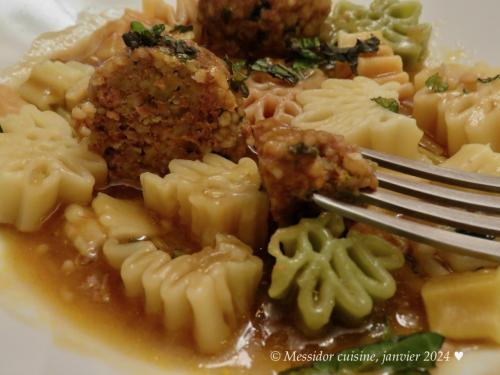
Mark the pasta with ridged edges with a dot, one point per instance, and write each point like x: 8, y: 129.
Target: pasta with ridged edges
x: 270, y: 99
x: 206, y: 294
x: 345, y: 274
x: 42, y: 165
x: 108, y: 223
x: 382, y: 66
x: 466, y: 112
x: 185, y: 12
x: 345, y: 107
x: 211, y: 196
x: 399, y: 22
x: 475, y: 158
x: 53, y: 84
x: 83, y: 229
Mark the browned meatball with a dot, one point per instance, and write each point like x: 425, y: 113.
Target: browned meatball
x: 296, y: 163
x: 257, y: 28
x: 153, y: 105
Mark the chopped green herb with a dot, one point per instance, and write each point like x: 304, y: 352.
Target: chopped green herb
x: 258, y: 8
x: 435, y: 84
x: 180, y: 48
x: 279, y: 71
x: 309, y: 53
x: 239, y: 74
x: 303, y: 149
x: 308, y: 49
x: 182, y: 28
x: 388, y: 103
x: 399, y: 355
x: 489, y: 79
x: 139, y: 36
x: 137, y: 27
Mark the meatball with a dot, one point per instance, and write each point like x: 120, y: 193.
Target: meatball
x: 296, y: 163
x: 154, y: 104
x: 257, y: 28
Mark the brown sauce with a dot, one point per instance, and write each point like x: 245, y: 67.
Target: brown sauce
x: 91, y: 295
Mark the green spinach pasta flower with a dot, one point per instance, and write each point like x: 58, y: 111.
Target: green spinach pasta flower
x: 397, y: 20
x: 330, y: 274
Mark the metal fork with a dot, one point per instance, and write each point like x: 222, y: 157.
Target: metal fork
x: 398, y: 194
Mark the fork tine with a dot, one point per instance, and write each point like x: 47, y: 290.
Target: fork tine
x: 431, y: 172
x: 443, y: 239
x: 464, y: 199
x: 429, y: 211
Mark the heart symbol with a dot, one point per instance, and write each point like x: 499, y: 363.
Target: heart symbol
x: 459, y: 355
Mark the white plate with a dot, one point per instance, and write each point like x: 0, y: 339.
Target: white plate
x: 30, y: 349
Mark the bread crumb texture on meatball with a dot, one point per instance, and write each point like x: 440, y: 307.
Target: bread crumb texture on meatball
x: 152, y: 105
x: 257, y: 28
x: 296, y: 163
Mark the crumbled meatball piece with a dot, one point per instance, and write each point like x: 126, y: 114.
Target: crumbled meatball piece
x: 257, y: 28
x: 153, y: 105
x: 296, y: 163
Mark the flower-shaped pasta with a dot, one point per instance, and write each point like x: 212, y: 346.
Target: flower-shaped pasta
x: 42, y: 165
x: 347, y: 274
x: 271, y: 100
x: 466, y: 112
x: 475, y: 158
x: 108, y: 220
x: 55, y: 84
x: 211, y: 196
x: 382, y: 66
x: 345, y: 107
x: 397, y: 20
x: 206, y: 294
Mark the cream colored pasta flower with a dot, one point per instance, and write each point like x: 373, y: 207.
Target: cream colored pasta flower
x: 382, y: 66
x: 346, y: 107
x: 206, y: 294
x: 42, y: 165
x: 435, y: 262
x: 211, y: 196
x: 475, y: 158
x: 463, y: 109
x: 54, y: 84
x: 109, y: 223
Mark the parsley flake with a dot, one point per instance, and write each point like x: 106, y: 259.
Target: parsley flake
x: 239, y: 74
x: 435, y: 84
x: 309, y: 53
x: 489, y: 79
x: 279, y: 71
x: 182, y: 28
x: 140, y: 36
x: 387, y: 103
